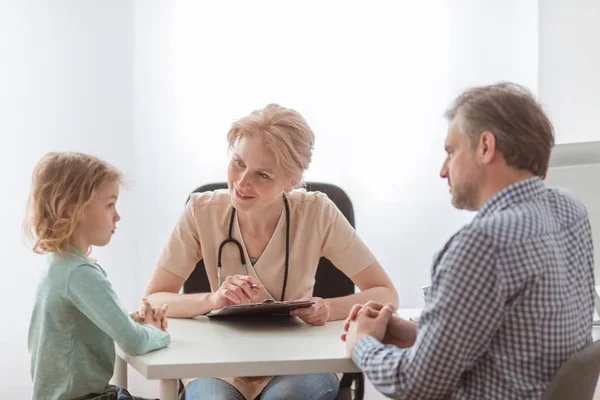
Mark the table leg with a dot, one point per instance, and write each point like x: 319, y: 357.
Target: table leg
x: 120, y: 375
x: 168, y: 389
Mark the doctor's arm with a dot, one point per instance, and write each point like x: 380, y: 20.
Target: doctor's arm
x: 347, y: 252
x: 164, y: 287
x: 374, y: 284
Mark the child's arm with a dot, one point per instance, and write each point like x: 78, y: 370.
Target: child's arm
x: 92, y: 294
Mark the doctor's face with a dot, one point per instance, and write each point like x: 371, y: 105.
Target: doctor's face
x: 253, y: 178
x: 462, y: 170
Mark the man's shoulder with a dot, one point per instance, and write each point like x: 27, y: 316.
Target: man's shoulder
x: 548, y: 214
x: 566, y: 206
x: 472, y: 235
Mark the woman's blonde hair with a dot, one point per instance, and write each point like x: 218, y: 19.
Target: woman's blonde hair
x: 285, y: 133
x: 63, y: 185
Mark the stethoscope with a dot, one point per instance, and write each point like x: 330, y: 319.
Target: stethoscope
x: 230, y: 239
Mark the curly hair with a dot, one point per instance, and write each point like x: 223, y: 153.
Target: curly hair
x: 63, y: 185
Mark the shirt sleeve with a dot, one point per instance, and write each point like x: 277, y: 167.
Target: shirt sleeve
x: 463, y: 311
x: 92, y: 294
x: 182, y: 251
x: 340, y: 243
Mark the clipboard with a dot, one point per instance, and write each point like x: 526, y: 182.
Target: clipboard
x: 266, y: 308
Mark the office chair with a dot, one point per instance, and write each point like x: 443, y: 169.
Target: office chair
x: 329, y: 281
x: 577, y: 377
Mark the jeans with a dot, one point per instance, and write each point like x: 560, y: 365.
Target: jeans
x: 114, y: 393
x: 288, y: 387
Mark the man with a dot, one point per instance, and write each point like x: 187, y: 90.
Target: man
x: 511, y: 297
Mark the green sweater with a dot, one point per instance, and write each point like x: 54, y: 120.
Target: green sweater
x: 76, y: 320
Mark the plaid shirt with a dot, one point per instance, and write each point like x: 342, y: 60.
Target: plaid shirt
x: 511, y: 299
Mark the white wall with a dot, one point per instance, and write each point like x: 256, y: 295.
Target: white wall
x: 66, y: 84
x: 569, y: 64
x: 493, y: 41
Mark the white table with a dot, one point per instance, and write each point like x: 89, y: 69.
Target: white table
x: 204, y: 347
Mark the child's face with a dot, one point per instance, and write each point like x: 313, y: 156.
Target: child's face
x: 100, y: 217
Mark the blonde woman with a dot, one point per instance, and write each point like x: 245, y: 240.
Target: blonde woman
x: 77, y: 316
x: 272, y: 222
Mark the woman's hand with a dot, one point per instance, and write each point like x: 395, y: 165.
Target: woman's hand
x: 317, y: 314
x: 237, y: 289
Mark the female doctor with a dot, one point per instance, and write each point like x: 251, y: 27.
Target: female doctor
x: 280, y: 233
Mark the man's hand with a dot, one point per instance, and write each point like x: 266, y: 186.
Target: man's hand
x: 367, y: 322
x: 317, y: 314
x: 400, y: 332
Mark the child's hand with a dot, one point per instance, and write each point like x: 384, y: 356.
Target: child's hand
x: 148, y: 315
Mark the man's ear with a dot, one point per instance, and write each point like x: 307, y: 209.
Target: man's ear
x: 487, y: 147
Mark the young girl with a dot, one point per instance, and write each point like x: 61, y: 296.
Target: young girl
x: 77, y: 314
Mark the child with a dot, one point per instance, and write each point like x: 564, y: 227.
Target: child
x: 77, y: 314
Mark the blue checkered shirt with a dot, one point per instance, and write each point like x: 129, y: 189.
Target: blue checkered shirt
x: 511, y: 299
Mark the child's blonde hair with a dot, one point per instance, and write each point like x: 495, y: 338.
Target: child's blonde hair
x: 63, y: 185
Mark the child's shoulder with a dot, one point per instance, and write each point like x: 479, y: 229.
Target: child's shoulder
x: 61, y: 266
x: 61, y: 270
x: 68, y: 260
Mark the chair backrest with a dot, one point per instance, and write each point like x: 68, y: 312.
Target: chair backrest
x: 329, y: 281
x: 577, y: 377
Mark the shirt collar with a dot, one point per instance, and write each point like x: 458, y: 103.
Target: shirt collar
x: 516, y: 193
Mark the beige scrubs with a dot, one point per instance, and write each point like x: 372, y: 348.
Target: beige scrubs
x: 317, y: 228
